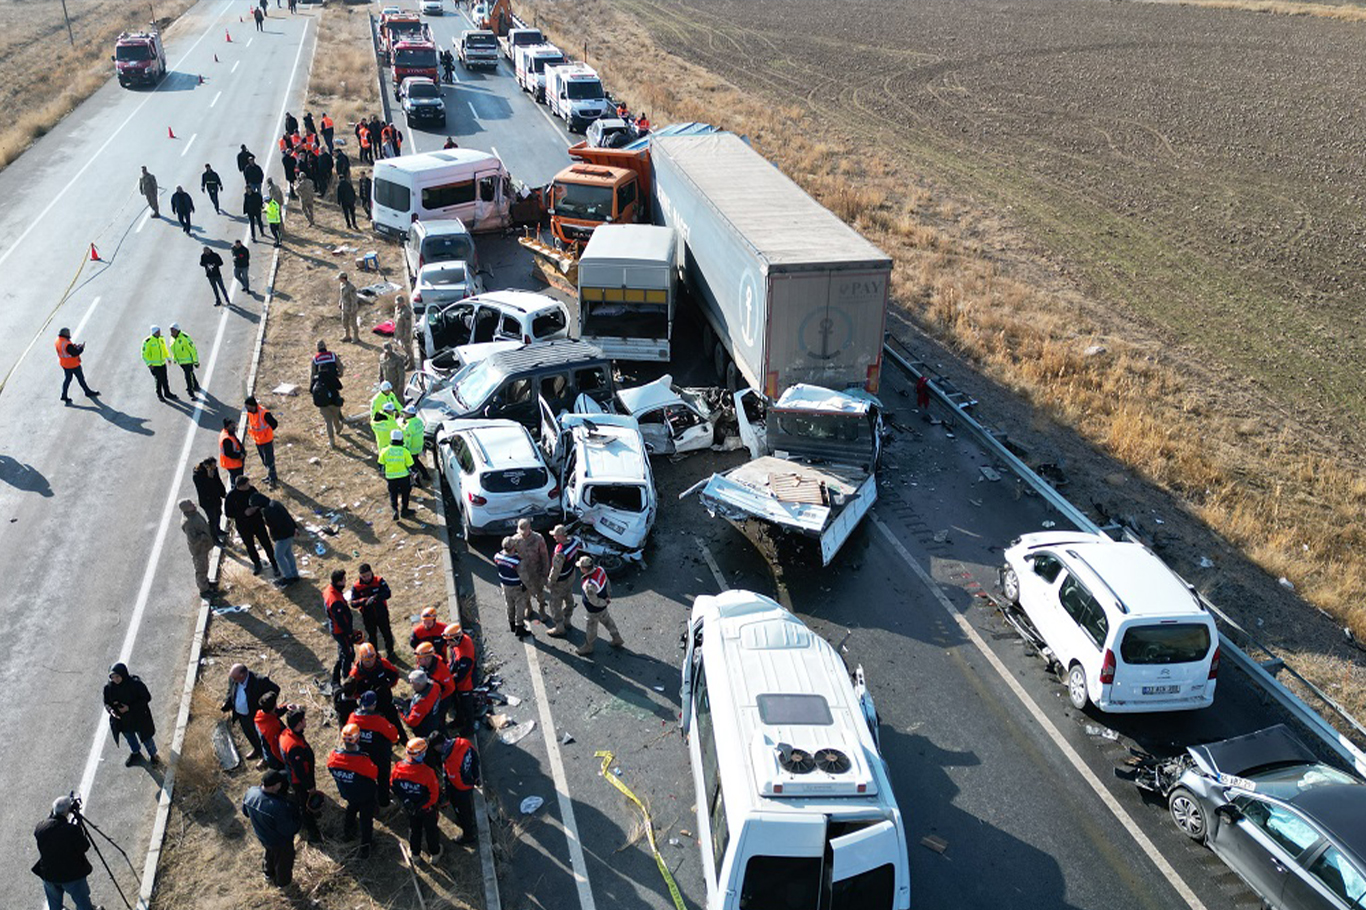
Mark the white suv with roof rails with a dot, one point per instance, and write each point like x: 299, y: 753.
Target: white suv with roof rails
x: 497, y: 475
x: 1127, y: 632
x: 520, y: 316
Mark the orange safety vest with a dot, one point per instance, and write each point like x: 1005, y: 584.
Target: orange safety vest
x: 260, y: 431
x: 327, y: 122
x: 284, y: 143
x: 68, y: 360
x: 364, y: 136
x: 226, y: 460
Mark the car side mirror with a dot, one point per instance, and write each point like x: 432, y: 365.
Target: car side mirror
x: 1229, y: 813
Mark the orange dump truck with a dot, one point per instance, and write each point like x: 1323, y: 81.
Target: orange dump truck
x: 603, y: 186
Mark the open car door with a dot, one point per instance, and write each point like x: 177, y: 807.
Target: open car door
x: 552, y: 437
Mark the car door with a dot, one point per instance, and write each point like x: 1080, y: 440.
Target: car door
x: 517, y: 401
x: 450, y: 327
x: 1081, y: 627
x: 1261, y: 840
x: 655, y: 431
x: 1327, y: 879
x: 1039, y: 592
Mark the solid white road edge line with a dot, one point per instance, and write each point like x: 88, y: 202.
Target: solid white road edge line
x: 1075, y: 760
x: 711, y: 564
x: 186, y: 150
x: 552, y: 748
x: 112, y: 136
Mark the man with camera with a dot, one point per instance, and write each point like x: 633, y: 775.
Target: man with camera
x: 62, y: 846
x: 69, y: 357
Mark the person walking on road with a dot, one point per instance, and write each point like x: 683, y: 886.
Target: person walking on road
x: 211, y: 183
x: 535, y: 564
x: 597, y: 596
x: 232, y: 455
x: 209, y: 489
x: 253, y: 175
x: 462, y: 776
x: 343, y: 630
x: 357, y: 780
x: 200, y: 538
x: 147, y: 186
x: 251, y: 524
x: 349, y: 304
x: 252, y: 207
x: 275, y: 219
x: 560, y: 579
x: 62, y: 865
x: 403, y: 329
x: 156, y: 355
x: 243, y: 158
x: 186, y: 355
x: 325, y: 384
x: 261, y: 427
x: 346, y: 198
x: 275, y: 820
x: 260, y: 19
x: 129, y: 706
x: 415, y: 439
x: 245, y: 693
x: 303, y: 190
x: 514, y: 591
x: 391, y: 366
x: 397, y: 462
x: 301, y: 766
x: 212, y: 264
x: 460, y: 658
x: 416, y: 785
x: 282, y: 528
x: 183, y: 206
x: 241, y: 264
x: 377, y: 737
x: 370, y: 595
x: 69, y: 359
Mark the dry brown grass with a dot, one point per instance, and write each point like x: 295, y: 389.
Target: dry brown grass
x: 211, y: 859
x: 34, y: 47
x: 1345, y: 13
x: 1289, y: 497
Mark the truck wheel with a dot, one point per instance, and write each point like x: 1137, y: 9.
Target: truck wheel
x: 708, y: 339
x: 718, y: 360
x: 732, y: 376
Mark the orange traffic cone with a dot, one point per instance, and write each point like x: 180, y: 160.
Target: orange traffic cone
x: 169, y: 133
x: 95, y: 254
x: 228, y: 35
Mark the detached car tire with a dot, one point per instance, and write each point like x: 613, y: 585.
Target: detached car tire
x: 1188, y: 814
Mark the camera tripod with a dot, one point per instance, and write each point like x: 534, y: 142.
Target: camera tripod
x: 86, y: 826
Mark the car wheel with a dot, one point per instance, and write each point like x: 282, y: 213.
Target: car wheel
x: 1076, y: 687
x: 1010, y: 586
x: 465, y: 530
x: 1188, y: 814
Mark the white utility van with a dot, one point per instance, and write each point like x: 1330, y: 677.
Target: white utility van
x: 530, y: 61
x: 456, y: 183
x: 628, y: 276
x: 575, y: 95
x: 794, y: 805
x: 1128, y: 633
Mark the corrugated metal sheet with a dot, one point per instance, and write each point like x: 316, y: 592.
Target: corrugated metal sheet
x: 786, y: 226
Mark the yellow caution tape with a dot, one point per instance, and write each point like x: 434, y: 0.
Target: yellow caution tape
x: 649, y: 826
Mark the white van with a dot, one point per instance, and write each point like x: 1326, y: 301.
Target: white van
x: 794, y: 805
x: 530, y: 61
x: 575, y: 95
x: 433, y: 186
x: 1127, y: 632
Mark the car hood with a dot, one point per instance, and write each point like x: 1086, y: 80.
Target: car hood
x: 1237, y: 756
x: 656, y: 394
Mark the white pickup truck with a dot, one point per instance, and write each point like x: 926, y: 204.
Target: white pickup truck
x: 815, y: 456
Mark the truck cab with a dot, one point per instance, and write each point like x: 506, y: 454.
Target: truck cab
x: 514, y: 38
x: 139, y: 58
x: 530, y: 61
x: 477, y: 49
x: 575, y: 95
x: 404, y: 26
x: 414, y: 58
x: 584, y: 196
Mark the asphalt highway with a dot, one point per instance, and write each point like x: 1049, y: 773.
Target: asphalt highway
x: 90, y: 545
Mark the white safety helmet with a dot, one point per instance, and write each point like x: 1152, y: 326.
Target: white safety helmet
x: 386, y: 386
x: 156, y: 330
x: 175, y: 327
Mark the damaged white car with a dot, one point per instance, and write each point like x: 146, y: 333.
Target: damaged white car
x: 496, y: 475
x: 672, y: 421
x: 815, y: 455
x: 606, y: 485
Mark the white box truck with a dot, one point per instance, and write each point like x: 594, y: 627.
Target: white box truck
x: 456, y: 183
x: 628, y: 279
x: 530, y: 61
x: 788, y: 293
x: 575, y: 95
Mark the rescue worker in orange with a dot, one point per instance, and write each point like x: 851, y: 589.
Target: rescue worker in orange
x: 363, y: 138
x: 460, y: 648
x: 269, y: 726
x: 375, y: 674
x: 462, y: 776
x: 431, y: 629
x: 69, y: 359
x: 431, y: 663
x: 370, y: 594
x: 329, y: 128
x: 357, y: 778
x: 377, y: 738
x: 343, y: 632
x: 232, y: 456
x: 423, y: 715
x: 261, y: 426
x: 417, y: 788
x: 302, y: 768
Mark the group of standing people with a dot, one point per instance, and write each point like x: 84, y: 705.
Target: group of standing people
x: 378, y: 139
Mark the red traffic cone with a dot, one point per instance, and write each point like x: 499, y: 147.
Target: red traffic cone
x: 228, y: 35
x: 95, y: 254
x: 169, y: 133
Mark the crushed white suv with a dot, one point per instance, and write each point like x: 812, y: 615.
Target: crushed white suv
x: 497, y: 475
x: 519, y: 316
x: 1127, y: 632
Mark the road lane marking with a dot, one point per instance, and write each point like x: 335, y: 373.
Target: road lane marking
x: 80, y: 326
x: 249, y: 41
x: 234, y: 67
x: 1045, y: 724
x: 711, y: 564
x: 145, y: 216
x: 554, y: 124
x: 98, y: 155
x: 552, y: 748
x: 215, y: 99
x: 188, y: 144
x: 473, y: 112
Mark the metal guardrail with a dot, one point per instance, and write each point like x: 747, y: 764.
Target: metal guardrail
x: 958, y: 404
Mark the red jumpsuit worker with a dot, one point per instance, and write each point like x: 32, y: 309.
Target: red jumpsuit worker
x: 429, y: 662
x: 300, y: 763
x: 343, y: 633
x: 377, y: 738
x: 460, y: 647
x: 429, y: 629
x: 417, y: 788
x: 423, y: 716
x: 375, y: 674
x: 356, y: 777
x: 269, y: 726
x: 462, y: 776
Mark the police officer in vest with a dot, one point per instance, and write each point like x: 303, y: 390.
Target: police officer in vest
x: 156, y: 354
x: 357, y: 783
x: 186, y: 356
x: 69, y: 359
x: 397, y: 462
x: 261, y: 426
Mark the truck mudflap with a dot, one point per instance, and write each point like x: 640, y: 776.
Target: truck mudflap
x: 831, y: 526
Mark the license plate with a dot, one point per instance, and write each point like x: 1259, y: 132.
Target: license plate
x: 1161, y: 690
x: 611, y: 525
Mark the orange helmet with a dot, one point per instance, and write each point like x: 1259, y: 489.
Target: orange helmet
x: 425, y: 649
x: 429, y: 612
x: 365, y: 652
x: 417, y: 746
x: 452, y: 632
x: 350, y: 733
